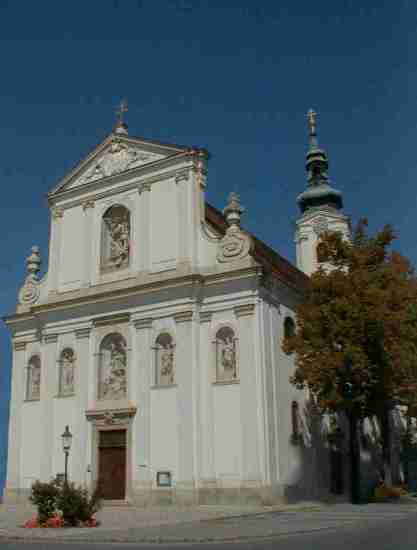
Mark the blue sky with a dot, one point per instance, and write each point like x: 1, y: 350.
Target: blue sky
x: 236, y: 77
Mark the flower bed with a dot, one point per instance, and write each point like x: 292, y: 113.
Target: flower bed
x: 57, y: 522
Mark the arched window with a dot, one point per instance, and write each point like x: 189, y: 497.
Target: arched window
x: 115, y: 238
x: 33, y: 388
x: 226, y: 360
x: 321, y: 253
x: 289, y: 327
x: 164, y: 360
x: 112, y: 374
x: 66, y: 372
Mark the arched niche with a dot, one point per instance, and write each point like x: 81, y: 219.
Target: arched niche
x: 115, y: 238
x: 112, y: 372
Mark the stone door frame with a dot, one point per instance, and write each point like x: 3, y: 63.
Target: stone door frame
x: 110, y: 420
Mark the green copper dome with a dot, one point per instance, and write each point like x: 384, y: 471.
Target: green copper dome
x: 319, y: 192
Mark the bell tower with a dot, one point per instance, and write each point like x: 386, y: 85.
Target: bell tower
x: 320, y: 205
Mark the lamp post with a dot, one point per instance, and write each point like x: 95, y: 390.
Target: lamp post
x: 66, y: 446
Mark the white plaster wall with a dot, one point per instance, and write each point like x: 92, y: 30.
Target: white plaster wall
x: 163, y: 432
x: 227, y: 431
x: 164, y: 225
x: 72, y: 249
x: 65, y: 413
x: 31, y: 449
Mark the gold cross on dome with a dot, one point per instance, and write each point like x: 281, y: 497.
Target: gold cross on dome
x: 311, y: 117
x: 121, y: 110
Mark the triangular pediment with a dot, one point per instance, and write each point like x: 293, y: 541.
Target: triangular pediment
x: 116, y: 154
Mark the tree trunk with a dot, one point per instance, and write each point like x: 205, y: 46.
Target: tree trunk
x: 386, y: 444
x: 354, y: 458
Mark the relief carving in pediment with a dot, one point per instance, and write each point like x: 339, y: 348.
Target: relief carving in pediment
x: 118, y: 158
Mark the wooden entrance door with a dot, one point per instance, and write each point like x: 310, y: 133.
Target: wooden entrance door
x: 112, y: 464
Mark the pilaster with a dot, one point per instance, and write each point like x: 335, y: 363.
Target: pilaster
x: 13, y: 481
x: 82, y: 429
x: 57, y: 215
x: 206, y: 448
x: 141, y: 434
x: 143, y: 233
x: 185, y: 374
x: 251, y: 467
x: 48, y: 378
x: 88, y: 248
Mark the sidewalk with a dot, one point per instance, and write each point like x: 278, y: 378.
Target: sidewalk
x: 206, y: 523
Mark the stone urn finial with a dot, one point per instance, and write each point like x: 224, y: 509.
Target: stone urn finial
x: 233, y: 210
x: 33, y: 262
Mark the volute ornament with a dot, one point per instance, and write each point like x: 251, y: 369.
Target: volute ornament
x: 236, y: 244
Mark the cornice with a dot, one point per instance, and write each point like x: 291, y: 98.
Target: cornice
x: 96, y: 295
x: 111, y: 319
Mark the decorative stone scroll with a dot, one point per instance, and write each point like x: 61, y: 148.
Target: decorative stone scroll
x: 119, y: 158
x: 29, y: 293
x: 113, y: 368
x: 236, y: 244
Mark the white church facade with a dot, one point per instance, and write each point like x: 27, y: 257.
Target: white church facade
x: 155, y: 334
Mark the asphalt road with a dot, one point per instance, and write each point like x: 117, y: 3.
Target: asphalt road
x: 392, y: 534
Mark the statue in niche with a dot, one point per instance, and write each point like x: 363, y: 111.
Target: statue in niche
x: 113, y: 368
x: 226, y: 354
x: 67, y: 372
x: 165, y: 359
x: 34, y: 385
x: 116, y: 238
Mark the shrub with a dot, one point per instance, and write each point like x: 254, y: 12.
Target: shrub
x: 44, y: 497
x: 76, y: 504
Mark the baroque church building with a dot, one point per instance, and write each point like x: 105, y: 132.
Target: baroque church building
x: 156, y: 335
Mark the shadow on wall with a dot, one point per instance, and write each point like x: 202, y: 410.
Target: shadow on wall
x: 323, y: 450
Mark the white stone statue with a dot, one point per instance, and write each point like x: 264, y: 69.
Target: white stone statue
x: 114, y: 384
x: 67, y: 372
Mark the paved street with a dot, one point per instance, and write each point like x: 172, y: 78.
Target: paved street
x: 390, y: 525
x: 384, y: 534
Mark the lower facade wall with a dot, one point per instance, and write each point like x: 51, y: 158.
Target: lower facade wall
x: 212, y: 494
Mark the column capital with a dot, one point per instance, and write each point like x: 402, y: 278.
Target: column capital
x: 88, y: 204
x: 57, y: 212
x: 142, y: 323
x: 244, y: 310
x: 183, y: 316
x: 144, y: 186
x: 181, y: 175
x: 19, y: 346
x: 205, y: 316
x: 50, y: 338
x: 82, y: 333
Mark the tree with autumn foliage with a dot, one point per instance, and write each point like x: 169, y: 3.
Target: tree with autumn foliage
x: 360, y: 308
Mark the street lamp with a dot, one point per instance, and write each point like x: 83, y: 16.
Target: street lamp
x: 66, y: 446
